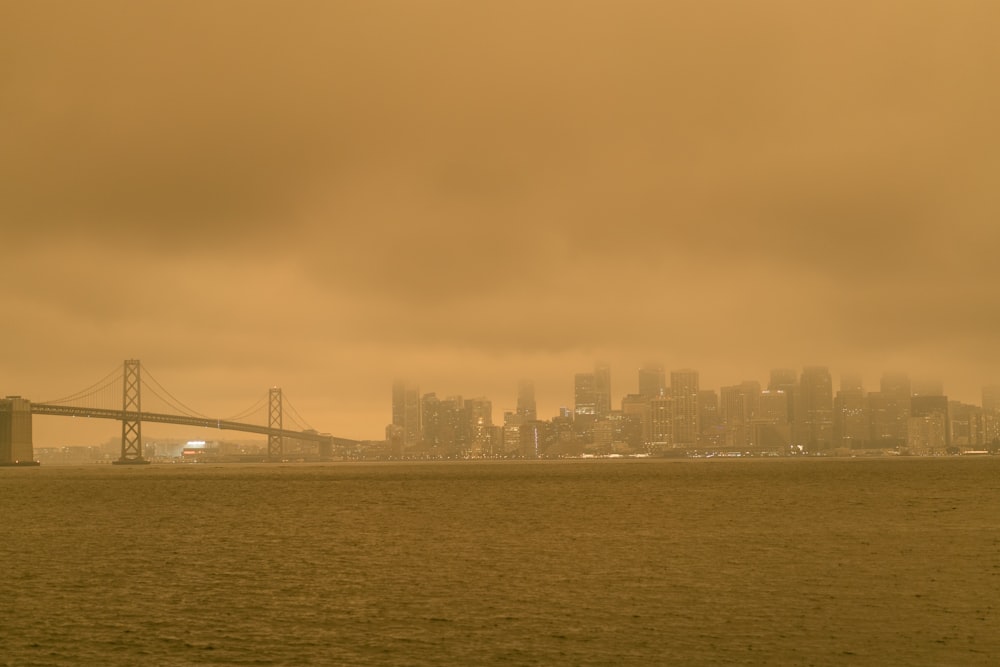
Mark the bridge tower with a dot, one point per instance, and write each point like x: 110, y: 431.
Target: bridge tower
x: 275, y: 445
x: 131, y: 414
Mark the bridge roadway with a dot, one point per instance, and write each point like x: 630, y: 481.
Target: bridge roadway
x: 104, y: 413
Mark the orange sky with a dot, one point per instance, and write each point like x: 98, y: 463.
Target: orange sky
x: 328, y: 195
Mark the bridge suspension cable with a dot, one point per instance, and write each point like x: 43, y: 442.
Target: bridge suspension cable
x: 296, y: 418
x: 169, y: 399
x: 259, y: 406
x: 102, y: 388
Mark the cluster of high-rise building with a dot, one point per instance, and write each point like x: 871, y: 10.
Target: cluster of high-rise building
x: 797, y: 412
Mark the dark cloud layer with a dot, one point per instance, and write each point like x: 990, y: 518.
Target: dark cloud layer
x: 327, y: 195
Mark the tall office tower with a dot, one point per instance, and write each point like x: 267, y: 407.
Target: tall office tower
x: 890, y: 410
x: 406, y: 412
x: 991, y: 398
x: 751, y: 398
x: 635, y: 413
x: 444, y: 426
x: 966, y: 425
x: 561, y: 429
x: 770, y: 430
x: 782, y: 377
x: 394, y: 438
x: 479, y: 426
x: 927, y: 435
x: 932, y: 422
x: 896, y: 384
x: 851, y: 382
x: 604, y: 434
x: 535, y: 439
x: 511, y: 432
x: 15, y: 430
x: 652, y: 380
x: 455, y: 434
x: 751, y: 391
x: 661, y: 423
x: 709, y: 418
x: 684, y: 391
x: 773, y: 407
x: 602, y: 390
x: 431, y: 420
x: 584, y: 405
x: 851, y: 421
x: 584, y: 395
x: 526, y: 400
x: 786, y: 380
x: 814, y: 424
x: 734, y: 408
x: 927, y: 387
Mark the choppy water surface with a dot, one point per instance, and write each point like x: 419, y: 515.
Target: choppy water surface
x: 818, y: 562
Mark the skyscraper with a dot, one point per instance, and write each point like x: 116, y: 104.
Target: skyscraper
x: 851, y: 420
x: 927, y: 386
x: 585, y: 405
x: 991, y: 398
x: 684, y: 391
x: 584, y: 395
x: 652, y: 380
x: 814, y: 423
x: 661, y: 420
x: 930, y: 413
x: 602, y: 390
x: 785, y: 380
x: 769, y: 428
x: 406, y: 413
x: 890, y: 410
x: 635, y: 412
x: 710, y: 431
x: 526, y: 400
x: 734, y: 408
x: 479, y: 416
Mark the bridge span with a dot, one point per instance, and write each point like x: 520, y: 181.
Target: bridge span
x: 16, y: 413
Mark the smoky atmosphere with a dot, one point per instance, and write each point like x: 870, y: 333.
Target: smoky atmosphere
x: 330, y: 197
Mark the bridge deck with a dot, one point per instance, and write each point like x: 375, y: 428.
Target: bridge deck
x: 184, y: 420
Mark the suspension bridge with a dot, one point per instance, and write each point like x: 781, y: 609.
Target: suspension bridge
x: 127, y: 387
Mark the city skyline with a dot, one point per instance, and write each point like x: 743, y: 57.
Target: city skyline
x: 987, y: 396
x: 327, y: 196
x: 795, y: 412
x: 548, y: 399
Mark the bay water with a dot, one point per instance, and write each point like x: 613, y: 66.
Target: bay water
x: 581, y: 562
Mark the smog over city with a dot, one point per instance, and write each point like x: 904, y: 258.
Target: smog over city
x: 494, y: 332
x: 328, y: 197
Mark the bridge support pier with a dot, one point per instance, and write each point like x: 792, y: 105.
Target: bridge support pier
x: 131, y: 415
x: 16, y: 448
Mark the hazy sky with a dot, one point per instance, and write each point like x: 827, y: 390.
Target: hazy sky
x: 327, y: 195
